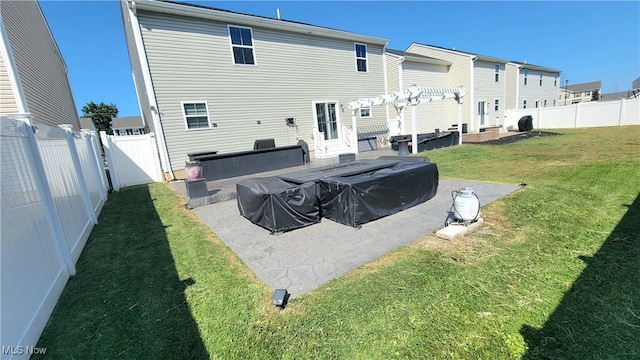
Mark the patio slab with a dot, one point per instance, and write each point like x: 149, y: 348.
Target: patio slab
x: 302, y: 259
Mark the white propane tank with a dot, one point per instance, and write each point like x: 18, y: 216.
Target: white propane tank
x: 466, y: 205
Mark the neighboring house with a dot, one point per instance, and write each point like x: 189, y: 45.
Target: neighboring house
x: 484, y: 79
x: 616, y: 96
x: 131, y: 125
x: 87, y: 123
x: 531, y: 86
x: 33, y: 75
x: 573, y: 94
x: 211, y: 79
x: 635, y: 84
x: 407, y: 69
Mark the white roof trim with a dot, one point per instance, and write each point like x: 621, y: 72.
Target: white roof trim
x: 251, y: 20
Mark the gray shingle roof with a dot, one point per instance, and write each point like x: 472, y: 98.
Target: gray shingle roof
x: 417, y: 57
x: 130, y: 122
x: 594, y: 85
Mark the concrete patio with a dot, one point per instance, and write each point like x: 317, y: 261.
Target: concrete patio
x: 302, y: 259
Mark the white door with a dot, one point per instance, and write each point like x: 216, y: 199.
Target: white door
x: 482, y: 112
x: 327, y: 120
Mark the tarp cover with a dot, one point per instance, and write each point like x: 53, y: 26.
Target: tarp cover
x: 278, y: 205
x: 359, y: 199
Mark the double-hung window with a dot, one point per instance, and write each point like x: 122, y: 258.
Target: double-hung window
x: 361, y: 57
x: 496, y: 105
x: 526, y: 73
x: 196, y: 115
x: 365, y: 112
x: 242, y: 45
x: 497, y: 71
x: 540, y: 78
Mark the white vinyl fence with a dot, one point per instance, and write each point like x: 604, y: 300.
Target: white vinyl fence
x: 589, y: 114
x: 53, y: 186
x: 132, y: 159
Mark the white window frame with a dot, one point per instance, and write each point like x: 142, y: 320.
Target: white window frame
x: 232, y: 45
x: 524, y: 104
x: 497, y: 72
x: 537, y: 104
x: 555, y: 80
x: 496, y: 105
x: 526, y: 74
x: 554, y: 102
x: 365, y: 58
x: 366, y: 108
x: 540, y: 78
x: 544, y: 103
x: 184, y: 114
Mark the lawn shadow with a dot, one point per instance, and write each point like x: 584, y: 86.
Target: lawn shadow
x: 599, y: 317
x: 127, y: 299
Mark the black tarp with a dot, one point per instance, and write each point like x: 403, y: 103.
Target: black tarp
x: 525, y: 123
x: 277, y: 205
x: 361, y: 198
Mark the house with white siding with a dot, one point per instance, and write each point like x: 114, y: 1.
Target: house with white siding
x: 406, y: 69
x: 212, y: 79
x: 531, y: 86
x: 484, y: 77
x: 33, y: 74
x: 577, y: 93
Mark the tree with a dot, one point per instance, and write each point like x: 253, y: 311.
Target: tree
x: 595, y: 95
x: 101, y: 115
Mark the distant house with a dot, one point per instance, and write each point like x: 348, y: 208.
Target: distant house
x: 577, y: 93
x: 616, y: 96
x: 87, y: 123
x: 405, y: 69
x: 33, y: 75
x: 531, y: 86
x: 212, y: 79
x: 132, y: 125
x: 482, y: 76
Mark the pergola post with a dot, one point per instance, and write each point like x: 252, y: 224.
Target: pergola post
x: 459, y: 122
x: 354, y: 132
x: 414, y: 134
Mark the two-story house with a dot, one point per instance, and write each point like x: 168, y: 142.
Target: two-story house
x: 211, y: 79
x: 531, y: 86
x: 406, y: 69
x: 577, y: 93
x: 482, y: 76
x: 33, y: 75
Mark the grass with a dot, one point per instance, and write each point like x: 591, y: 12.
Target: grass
x: 554, y: 273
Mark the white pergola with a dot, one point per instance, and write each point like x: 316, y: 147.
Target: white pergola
x: 410, y: 97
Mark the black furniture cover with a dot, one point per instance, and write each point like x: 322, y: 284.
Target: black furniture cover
x: 525, y: 123
x: 359, y: 199
x: 277, y: 205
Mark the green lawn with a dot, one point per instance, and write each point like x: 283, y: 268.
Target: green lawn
x: 554, y: 273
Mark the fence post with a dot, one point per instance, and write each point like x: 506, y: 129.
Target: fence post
x: 621, y: 115
x: 577, y: 115
x: 84, y: 189
x: 47, y: 198
x: 106, y: 145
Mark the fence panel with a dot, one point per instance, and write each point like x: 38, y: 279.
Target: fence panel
x: 64, y: 181
x: 90, y: 170
x: 589, y: 114
x: 34, y: 270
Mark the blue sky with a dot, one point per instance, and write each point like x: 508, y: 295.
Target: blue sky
x: 588, y: 41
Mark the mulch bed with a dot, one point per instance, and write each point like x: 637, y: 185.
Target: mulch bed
x: 518, y: 137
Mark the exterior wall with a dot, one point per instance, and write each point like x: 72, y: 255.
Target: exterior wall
x: 459, y: 75
x: 191, y: 60
x: 40, y: 66
x: 8, y: 103
x: 533, y: 91
x: 488, y: 90
x: 136, y: 70
x: 512, y: 86
x: 432, y: 115
x: 393, y: 81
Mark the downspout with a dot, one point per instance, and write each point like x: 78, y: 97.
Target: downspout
x: 472, y: 92
x: 401, y: 88
x: 386, y: 84
x: 12, y: 73
x: 146, y: 75
x: 518, y: 67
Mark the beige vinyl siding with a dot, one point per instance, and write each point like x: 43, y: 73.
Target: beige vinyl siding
x: 8, y: 103
x: 459, y: 75
x: 191, y: 60
x: 533, y: 92
x: 511, y: 92
x: 487, y: 89
x: 393, y: 81
x: 136, y: 69
x: 40, y: 66
x: 431, y: 115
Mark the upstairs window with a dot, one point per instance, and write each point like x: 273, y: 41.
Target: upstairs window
x: 497, y: 71
x: 526, y: 73
x: 196, y: 115
x: 555, y: 80
x: 540, y: 78
x: 361, y: 57
x: 242, y: 45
